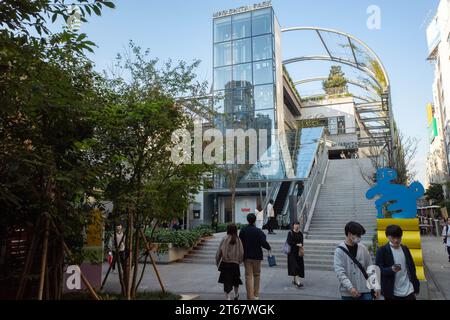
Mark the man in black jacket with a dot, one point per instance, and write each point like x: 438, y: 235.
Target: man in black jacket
x: 398, y: 271
x: 253, y: 240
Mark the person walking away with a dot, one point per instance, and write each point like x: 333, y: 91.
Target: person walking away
x: 398, y: 271
x: 446, y: 234
x: 271, y: 216
x: 352, y: 281
x: 117, y: 249
x: 215, y: 221
x: 228, y: 258
x: 253, y: 240
x: 259, y: 212
x: 296, y: 265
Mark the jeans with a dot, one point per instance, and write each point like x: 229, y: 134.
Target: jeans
x: 364, y: 296
x: 252, y: 277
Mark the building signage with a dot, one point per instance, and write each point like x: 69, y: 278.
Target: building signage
x: 313, y: 123
x: 224, y: 13
x: 432, y: 130
x: 346, y: 145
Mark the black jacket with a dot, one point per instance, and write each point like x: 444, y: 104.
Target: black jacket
x: 385, y: 260
x: 253, y: 240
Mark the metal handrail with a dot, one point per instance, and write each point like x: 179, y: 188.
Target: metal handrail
x: 310, y: 185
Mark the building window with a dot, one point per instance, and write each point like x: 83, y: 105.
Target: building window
x: 341, y: 125
x: 242, y: 25
x: 222, y: 54
x: 242, y: 51
x: 263, y: 72
x: 262, y: 47
x: 264, y: 97
x: 242, y: 75
x: 262, y: 22
x: 222, y: 78
x: 222, y: 29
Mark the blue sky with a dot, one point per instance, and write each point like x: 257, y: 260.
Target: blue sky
x: 182, y: 30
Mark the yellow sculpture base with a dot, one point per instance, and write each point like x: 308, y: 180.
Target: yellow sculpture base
x: 411, y: 239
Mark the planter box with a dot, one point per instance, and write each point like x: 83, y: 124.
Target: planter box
x: 172, y: 255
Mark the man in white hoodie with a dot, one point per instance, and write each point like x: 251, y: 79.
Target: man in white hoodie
x: 353, y: 283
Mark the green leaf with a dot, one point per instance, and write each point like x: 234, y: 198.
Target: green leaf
x: 97, y: 10
x: 54, y: 17
x: 109, y: 4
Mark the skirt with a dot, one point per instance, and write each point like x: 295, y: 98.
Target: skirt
x: 230, y: 274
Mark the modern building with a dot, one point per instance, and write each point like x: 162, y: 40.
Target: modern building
x: 437, y: 169
x: 253, y: 89
x: 438, y: 37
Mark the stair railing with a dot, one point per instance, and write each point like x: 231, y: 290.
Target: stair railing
x: 311, y: 184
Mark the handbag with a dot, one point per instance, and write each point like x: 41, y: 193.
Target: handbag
x: 287, y: 248
x: 366, y: 276
x: 272, y: 261
x: 301, y: 251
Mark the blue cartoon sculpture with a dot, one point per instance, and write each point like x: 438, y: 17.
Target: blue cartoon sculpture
x: 401, y: 199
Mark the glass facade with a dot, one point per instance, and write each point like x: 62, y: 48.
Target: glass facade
x: 244, y: 71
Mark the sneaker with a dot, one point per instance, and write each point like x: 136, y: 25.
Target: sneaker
x: 256, y: 298
x: 299, y: 285
x: 236, y: 297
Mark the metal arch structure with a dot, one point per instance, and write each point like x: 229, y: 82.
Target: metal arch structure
x: 375, y: 117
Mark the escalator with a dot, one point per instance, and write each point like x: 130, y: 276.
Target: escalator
x: 282, y: 198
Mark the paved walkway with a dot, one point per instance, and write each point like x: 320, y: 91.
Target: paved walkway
x: 201, y: 280
x: 437, y: 267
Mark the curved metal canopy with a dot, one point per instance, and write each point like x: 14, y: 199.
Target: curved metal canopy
x: 374, y: 114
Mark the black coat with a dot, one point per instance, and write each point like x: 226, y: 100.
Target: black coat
x: 385, y: 260
x: 253, y: 240
x: 296, y: 265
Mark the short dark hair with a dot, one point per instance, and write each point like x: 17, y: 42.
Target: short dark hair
x: 251, y: 218
x: 354, y: 228
x: 394, y: 231
x: 295, y: 222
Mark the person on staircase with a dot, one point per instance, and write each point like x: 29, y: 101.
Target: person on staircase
x: 228, y: 258
x: 259, y: 212
x: 271, y: 216
x: 350, y: 259
x: 253, y: 240
x: 296, y: 265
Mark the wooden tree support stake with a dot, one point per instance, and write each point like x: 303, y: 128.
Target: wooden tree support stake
x: 153, y: 262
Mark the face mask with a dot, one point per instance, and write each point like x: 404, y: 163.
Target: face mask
x: 393, y: 245
x: 356, y: 239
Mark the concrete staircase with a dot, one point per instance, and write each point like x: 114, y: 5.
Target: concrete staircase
x: 318, y: 256
x: 341, y: 199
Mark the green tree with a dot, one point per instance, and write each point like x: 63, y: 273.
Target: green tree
x: 435, y: 193
x: 47, y: 91
x: 133, y: 143
x: 336, y: 82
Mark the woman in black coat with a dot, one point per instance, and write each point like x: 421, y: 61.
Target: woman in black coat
x: 296, y: 265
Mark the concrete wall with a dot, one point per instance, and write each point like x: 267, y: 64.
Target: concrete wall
x: 327, y: 108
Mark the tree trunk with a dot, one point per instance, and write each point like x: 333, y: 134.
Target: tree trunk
x: 44, y: 259
x: 129, y: 253
x: 136, y: 264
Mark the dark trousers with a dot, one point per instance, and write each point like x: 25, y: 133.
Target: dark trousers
x: 412, y: 296
x: 270, y: 224
x: 448, y: 251
x: 122, y: 257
